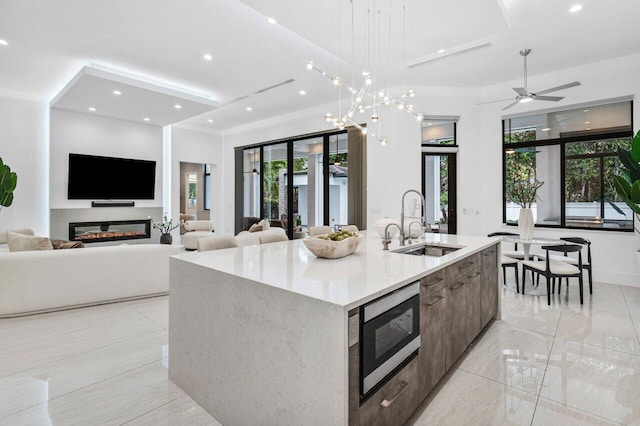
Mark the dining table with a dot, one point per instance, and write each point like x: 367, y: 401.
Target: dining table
x: 526, y: 244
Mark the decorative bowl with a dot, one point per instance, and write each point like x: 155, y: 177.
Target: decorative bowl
x: 329, y: 249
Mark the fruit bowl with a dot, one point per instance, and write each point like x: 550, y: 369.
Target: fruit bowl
x: 329, y: 249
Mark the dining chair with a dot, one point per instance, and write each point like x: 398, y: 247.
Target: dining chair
x: 552, y: 269
x: 515, y: 253
x: 507, y: 262
x: 574, y: 261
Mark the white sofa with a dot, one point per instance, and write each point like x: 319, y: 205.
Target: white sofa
x: 196, y: 229
x: 49, y: 280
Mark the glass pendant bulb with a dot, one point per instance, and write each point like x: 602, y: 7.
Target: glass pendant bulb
x: 383, y: 142
x: 419, y: 117
x: 364, y: 131
x: 336, y: 81
x: 328, y: 116
x: 309, y: 65
x: 374, y: 118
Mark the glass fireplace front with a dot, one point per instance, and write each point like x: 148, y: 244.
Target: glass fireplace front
x: 94, y: 232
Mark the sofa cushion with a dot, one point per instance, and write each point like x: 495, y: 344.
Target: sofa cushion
x: 198, y: 225
x: 264, y: 223
x: 63, y: 244
x: 20, y: 242
x: 3, y: 234
x: 255, y: 228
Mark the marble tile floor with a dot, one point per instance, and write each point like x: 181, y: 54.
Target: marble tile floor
x: 561, y: 364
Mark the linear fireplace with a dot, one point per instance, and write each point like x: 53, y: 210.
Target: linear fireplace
x: 114, y: 230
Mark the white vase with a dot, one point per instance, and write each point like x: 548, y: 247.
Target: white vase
x: 381, y: 224
x: 525, y: 224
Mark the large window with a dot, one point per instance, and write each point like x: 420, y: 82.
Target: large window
x: 574, y: 154
x: 300, y: 182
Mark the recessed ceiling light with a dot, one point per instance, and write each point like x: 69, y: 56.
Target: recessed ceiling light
x: 586, y: 110
x: 546, y: 129
x: 587, y: 122
x: 249, y: 109
x: 210, y: 120
x: 271, y: 20
x: 207, y: 57
x: 117, y: 92
x: 176, y: 106
x: 92, y: 109
x: 4, y: 43
x: 146, y: 119
x: 302, y: 92
x: 429, y: 124
x: 575, y: 8
x: 441, y: 51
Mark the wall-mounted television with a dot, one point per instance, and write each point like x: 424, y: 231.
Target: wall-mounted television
x: 109, y: 178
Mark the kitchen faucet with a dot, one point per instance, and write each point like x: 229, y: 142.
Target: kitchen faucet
x: 423, y: 218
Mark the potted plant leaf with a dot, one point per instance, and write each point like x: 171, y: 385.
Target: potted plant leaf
x: 8, y: 182
x: 523, y: 190
x: 627, y: 182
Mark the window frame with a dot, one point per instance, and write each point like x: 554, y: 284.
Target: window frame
x: 592, y: 136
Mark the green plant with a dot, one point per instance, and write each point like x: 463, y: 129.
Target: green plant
x: 8, y: 182
x: 627, y: 183
x: 166, y: 225
x: 522, y: 187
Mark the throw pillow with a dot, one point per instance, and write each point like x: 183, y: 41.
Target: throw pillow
x: 19, y: 242
x: 255, y: 228
x: 264, y: 223
x: 4, y: 238
x: 62, y: 244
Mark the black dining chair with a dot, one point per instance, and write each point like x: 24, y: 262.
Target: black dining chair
x: 552, y: 269
x: 573, y: 261
x: 507, y: 261
x: 515, y: 253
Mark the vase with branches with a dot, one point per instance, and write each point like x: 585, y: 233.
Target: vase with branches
x: 165, y: 226
x: 522, y: 189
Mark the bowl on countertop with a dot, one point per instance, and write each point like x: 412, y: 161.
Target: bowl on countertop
x: 329, y: 249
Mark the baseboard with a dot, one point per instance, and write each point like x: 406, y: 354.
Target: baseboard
x: 615, y: 277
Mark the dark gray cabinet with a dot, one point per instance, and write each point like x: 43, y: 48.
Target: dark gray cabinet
x: 456, y: 337
x: 395, y: 401
x: 489, y: 283
x: 473, y: 293
x: 433, y: 333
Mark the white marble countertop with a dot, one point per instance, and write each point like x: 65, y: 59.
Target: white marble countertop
x: 348, y: 282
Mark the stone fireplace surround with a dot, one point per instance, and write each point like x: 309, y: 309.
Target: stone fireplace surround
x: 61, y: 218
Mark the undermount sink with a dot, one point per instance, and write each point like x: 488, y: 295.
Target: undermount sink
x: 428, y: 250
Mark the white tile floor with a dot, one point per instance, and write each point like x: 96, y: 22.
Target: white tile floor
x: 559, y: 364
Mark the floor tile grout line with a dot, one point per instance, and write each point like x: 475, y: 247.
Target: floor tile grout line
x: 80, y: 388
x: 84, y: 353
x: 580, y: 410
x: 498, y: 382
x: 626, y: 304
x: 153, y: 409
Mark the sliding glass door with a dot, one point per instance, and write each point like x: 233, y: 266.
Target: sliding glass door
x: 439, y: 188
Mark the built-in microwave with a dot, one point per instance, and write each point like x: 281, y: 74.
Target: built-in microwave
x: 389, y: 335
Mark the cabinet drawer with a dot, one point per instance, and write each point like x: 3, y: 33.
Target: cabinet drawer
x: 462, y: 267
x: 433, y: 283
x: 395, y: 401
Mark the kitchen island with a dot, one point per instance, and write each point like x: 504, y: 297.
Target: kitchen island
x: 269, y: 334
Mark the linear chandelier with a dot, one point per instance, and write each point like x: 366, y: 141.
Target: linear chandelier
x: 365, y: 99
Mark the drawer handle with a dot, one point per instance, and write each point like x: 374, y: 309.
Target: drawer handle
x: 474, y: 275
x: 460, y: 284
x: 436, y: 283
x: 387, y: 402
x: 466, y: 265
x: 436, y: 300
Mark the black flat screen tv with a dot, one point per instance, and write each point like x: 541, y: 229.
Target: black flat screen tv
x: 108, y: 178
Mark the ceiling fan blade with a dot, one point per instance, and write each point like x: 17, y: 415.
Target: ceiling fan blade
x: 509, y: 106
x: 520, y: 91
x: 555, y: 89
x: 493, y: 102
x: 549, y: 98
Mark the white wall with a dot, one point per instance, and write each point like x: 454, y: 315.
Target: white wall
x: 24, y: 127
x: 73, y: 132
x: 199, y: 146
x: 614, y: 255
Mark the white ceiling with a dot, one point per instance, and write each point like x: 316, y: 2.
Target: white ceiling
x: 164, y: 40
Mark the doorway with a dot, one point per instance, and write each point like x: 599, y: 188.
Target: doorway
x: 195, y: 192
x: 439, y: 171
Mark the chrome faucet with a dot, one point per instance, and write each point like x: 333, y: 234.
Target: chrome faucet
x: 387, y: 239
x: 423, y: 218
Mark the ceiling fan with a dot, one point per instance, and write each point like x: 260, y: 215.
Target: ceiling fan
x: 524, y: 95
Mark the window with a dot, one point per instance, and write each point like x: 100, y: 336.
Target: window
x: 439, y: 131
x: 304, y: 181
x: 573, y: 153
x: 207, y: 186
